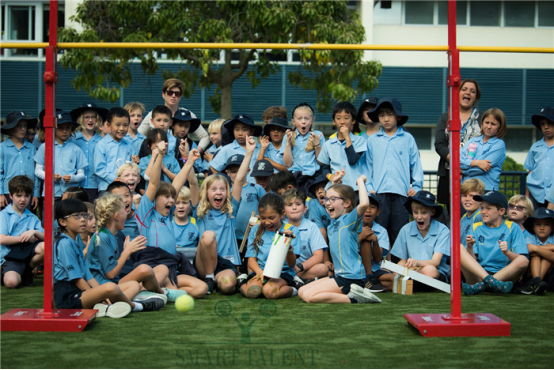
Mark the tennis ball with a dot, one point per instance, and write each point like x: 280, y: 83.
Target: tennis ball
x: 184, y: 303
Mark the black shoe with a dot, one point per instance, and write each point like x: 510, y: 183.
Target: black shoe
x: 211, y: 285
x: 531, y: 286
x: 375, y: 286
x: 152, y: 304
x: 241, y: 280
x: 519, y: 288
x: 541, y: 287
x: 298, y: 282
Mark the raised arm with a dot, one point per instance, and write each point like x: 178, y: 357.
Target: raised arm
x: 156, y: 170
x: 185, y: 172
x: 362, y: 194
x: 243, y: 169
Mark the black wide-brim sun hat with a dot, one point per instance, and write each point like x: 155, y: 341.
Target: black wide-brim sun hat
x: 14, y: 117
x: 373, y: 101
x: 187, y: 115
x: 541, y: 213
x: 276, y: 122
x: 391, y: 103
x: 41, y: 117
x: 546, y: 112
x: 76, y: 113
x: 247, y: 120
x: 427, y: 199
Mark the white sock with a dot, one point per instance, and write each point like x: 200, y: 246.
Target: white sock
x: 294, y: 291
x: 138, y: 306
x: 210, y: 276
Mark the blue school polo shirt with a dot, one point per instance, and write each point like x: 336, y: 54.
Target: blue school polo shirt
x: 68, y: 159
x: 132, y: 227
x: 218, y: 163
x: 157, y: 229
x: 186, y: 236
x: 14, y: 162
x: 249, y: 199
x: 88, y: 147
x: 169, y: 162
x: 311, y: 240
x: 410, y: 244
x: 333, y: 153
x: 69, y: 262
x: 550, y: 195
x: 103, y: 253
x: 316, y: 213
x: 108, y: 156
x: 11, y: 224
x: 486, y: 246
x: 212, y: 150
x: 276, y: 155
x: 223, y: 226
x: 302, y: 160
x: 384, y: 242
x: 534, y: 239
x: 267, y: 240
x: 394, y: 163
x: 135, y: 142
x: 494, y: 150
x: 540, y: 161
x: 344, y: 246
x: 466, y: 225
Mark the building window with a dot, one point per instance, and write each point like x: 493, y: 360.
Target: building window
x: 419, y: 12
x: 461, y: 12
x: 485, y: 13
x: 519, y: 14
x: 546, y: 13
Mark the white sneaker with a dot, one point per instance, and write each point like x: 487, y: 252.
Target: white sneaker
x: 116, y: 310
x: 145, y: 294
x: 362, y: 295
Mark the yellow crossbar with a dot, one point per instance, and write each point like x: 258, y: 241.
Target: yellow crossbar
x: 207, y: 45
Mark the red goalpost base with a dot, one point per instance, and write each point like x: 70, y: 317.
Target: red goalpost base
x: 33, y: 319
x: 471, y: 325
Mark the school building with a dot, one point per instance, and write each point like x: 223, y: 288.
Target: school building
x: 519, y: 84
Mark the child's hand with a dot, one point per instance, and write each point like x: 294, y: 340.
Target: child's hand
x: 315, y: 138
x: 184, y: 148
x: 67, y: 178
x: 264, y: 142
x: 250, y: 144
x: 345, y: 131
x: 208, y: 156
x: 136, y: 200
x: 260, y: 276
x: 136, y: 245
x: 28, y: 236
x: 503, y: 246
x: 361, y: 179
x: 470, y: 241
x: 411, y: 263
x: 194, y: 155
x: 57, y: 177
x: 3, y: 201
x: 290, y: 136
x: 135, y: 159
x: 162, y: 146
x: 329, y: 265
x: 484, y: 164
x: 411, y: 192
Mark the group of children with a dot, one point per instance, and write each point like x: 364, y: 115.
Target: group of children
x: 345, y: 201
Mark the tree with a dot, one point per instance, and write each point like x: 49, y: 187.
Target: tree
x: 340, y: 75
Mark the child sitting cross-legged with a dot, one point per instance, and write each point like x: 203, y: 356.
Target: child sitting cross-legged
x: 520, y: 208
x: 423, y: 244
x: 469, y: 189
x: 496, y: 254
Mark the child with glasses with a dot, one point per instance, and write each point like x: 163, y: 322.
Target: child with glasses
x: 520, y: 208
x: 21, y: 235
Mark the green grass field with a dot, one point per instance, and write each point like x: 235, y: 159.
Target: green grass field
x: 233, y: 332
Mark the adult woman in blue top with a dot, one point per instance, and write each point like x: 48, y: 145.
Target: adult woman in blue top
x: 471, y: 118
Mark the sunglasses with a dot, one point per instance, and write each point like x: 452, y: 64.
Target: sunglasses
x: 519, y: 208
x: 173, y: 93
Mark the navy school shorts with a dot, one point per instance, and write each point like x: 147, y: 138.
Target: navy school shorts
x: 19, y: 257
x: 67, y: 295
x: 345, y: 283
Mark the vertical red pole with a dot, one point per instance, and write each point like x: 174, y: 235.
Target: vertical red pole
x: 50, y: 81
x: 454, y: 129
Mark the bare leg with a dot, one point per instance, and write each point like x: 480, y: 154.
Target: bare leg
x: 323, y: 290
x: 144, y: 274
x: 12, y: 279
x: 105, y: 291
x: 316, y: 271
x: 514, y: 270
x: 196, y: 288
x: 226, y: 281
x: 129, y: 288
x: 277, y: 288
x: 206, y: 254
x: 252, y: 289
x: 38, y: 257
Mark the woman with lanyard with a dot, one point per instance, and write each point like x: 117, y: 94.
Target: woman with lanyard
x: 471, y: 117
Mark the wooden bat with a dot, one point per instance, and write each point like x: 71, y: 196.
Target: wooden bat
x: 247, y: 232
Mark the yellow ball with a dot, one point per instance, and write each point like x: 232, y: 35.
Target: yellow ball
x: 184, y: 303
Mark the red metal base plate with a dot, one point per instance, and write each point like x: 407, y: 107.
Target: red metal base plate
x: 31, y: 319
x: 472, y: 325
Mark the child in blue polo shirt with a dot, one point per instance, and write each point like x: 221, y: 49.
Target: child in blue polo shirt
x: 70, y: 161
x: 483, y: 156
x: 21, y: 235
x: 496, y: 254
x: 241, y: 126
x: 540, y: 159
x: 136, y: 114
x: 346, y: 286
x: 374, y: 246
x: 303, y: 145
x: 170, y: 166
x: 89, y: 117
x: 368, y: 104
x: 184, y: 225
x: 260, y: 241
x: 540, y: 244
x: 394, y: 165
x: 272, y: 145
x: 113, y: 150
x: 469, y: 189
x: 347, y: 151
x: 520, y: 209
x: 214, y: 130
x: 183, y: 122
x: 423, y: 244
x: 16, y: 155
x: 309, y: 264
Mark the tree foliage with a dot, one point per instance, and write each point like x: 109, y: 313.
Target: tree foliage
x: 340, y: 75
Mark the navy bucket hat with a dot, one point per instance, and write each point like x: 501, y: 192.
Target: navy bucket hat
x: 427, y: 199
x: 390, y: 103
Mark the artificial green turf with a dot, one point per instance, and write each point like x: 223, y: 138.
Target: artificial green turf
x: 287, y: 334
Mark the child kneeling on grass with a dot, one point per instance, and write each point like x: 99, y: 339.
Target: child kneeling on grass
x: 74, y: 285
x: 271, y: 210
x: 424, y: 238
x: 496, y: 254
x: 347, y: 286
